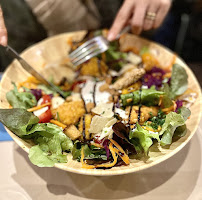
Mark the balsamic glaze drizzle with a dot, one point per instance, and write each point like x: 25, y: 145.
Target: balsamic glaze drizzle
x: 99, y: 67
x: 131, y: 108
x: 113, y: 108
x: 83, y: 132
x: 140, y: 105
x: 94, y: 88
x: 83, y: 99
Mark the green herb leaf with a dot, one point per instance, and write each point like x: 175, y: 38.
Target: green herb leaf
x: 20, y: 99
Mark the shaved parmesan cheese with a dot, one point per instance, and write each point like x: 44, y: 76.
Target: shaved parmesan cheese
x: 111, y: 122
x: 106, y: 132
x: 97, y: 124
x: 133, y: 58
x: 56, y: 102
x: 104, y: 109
x: 40, y: 111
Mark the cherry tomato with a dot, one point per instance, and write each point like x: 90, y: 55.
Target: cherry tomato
x: 96, y: 140
x: 46, y: 98
x: 45, y: 117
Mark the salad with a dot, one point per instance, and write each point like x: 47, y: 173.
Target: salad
x: 113, y: 109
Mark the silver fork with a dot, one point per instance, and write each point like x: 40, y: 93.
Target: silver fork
x: 92, y: 48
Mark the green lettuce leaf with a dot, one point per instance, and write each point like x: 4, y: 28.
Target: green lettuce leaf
x: 172, y: 122
x: 18, y: 120
x: 17, y: 99
x: 145, y: 138
x: 42, y: 159
x: 179, y: 83
x: 51, y: 138
x: 114, y: 57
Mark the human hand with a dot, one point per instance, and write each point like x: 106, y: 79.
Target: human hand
x: 140, y: 14
x: 3, y: 31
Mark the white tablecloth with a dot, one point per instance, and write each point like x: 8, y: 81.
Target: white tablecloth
x: 180, y: 177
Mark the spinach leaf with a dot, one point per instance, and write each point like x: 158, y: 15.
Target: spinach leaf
x: 20, y: 99
x: 166, y: 100
x: 18, y: 120
x: 179, y: 83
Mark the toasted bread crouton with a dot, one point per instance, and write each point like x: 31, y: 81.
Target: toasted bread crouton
x: 72, y: 132
x: 84, y: 125
x: 69, y: 112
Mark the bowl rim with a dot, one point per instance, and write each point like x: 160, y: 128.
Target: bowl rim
x: 100, y: 172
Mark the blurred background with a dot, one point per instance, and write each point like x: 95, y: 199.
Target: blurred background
x: 30, y: 21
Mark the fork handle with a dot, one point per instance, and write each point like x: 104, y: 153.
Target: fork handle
x: 124, y: 30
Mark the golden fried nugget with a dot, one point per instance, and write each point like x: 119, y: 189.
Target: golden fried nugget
x: 70, y: 112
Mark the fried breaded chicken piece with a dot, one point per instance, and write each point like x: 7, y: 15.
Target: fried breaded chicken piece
x: 145, y: 113
x: 69, y: 112
x: 128, y: 78
x: 94, y: 67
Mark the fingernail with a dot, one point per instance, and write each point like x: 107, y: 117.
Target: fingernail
x: 4, y: 41
x: 110, y: 36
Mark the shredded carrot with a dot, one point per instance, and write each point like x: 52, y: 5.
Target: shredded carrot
x: 167, y: 75
x: 171, y: 108
x: 31, y: 82
x: 84, y: 165
x: 151, y: 129
x: 58, y: 123
x: 39, y: 107
x: 105, y: 165
x: 160, y: 100
x: 121, y: 152
x: 97, y: 145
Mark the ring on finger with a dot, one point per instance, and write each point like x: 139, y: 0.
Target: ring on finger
x: 150, y: 16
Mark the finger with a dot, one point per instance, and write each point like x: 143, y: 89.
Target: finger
x: 138, y: 18
x: 120, y: 20
x: 3, y: 31
x: 149, y: 22
x: 162, y: 12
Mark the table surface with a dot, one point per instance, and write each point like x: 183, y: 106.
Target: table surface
x: 179, y: 177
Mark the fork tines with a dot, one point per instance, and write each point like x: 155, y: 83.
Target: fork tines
x: 88, y: 50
